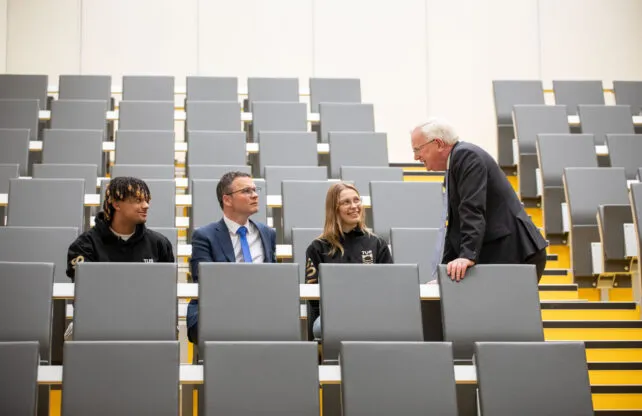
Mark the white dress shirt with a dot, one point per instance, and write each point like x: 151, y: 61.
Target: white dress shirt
x: 253, y: 240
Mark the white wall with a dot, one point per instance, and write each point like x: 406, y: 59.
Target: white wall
x: 416, y: 58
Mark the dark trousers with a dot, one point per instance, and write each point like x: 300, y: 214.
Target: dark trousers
x: 539, y: 260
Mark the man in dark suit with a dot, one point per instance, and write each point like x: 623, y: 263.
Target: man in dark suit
x: 235, y: 238
x: 486, y: 221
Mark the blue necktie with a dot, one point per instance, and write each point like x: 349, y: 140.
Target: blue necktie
x: 442, y: 229
x: 245, y: 247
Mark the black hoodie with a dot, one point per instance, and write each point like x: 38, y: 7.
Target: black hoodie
x: 100, y: 244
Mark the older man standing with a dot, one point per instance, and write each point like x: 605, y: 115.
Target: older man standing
x: 486, y: 221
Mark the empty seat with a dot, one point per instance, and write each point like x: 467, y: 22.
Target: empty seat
x: 148, y: 88
x: 14, y: 148
x: 121, y: 378
x: 288, y: 385
x: 415, y: 246
x: 575, y: 93
x: 125, y: 302
x: 357, y: 149
x: 143, y: 172
x: 162, y: 206
x: 24, y: 86
x: 213, y: 171
x: 303, y: 205
x: 19, y: 378
x: 472, y: 311
x: 554, y: 378
x: 301, y: 239
x: 636, y: 209
x: 531, y: 120
x: 625, y: 151
x: 301, y: 149
x: 85, y: 87
x: 7, y: 171
x: 212, y: 89
x: 342, y: 117
x: 79, y: 114
x: 74, y: 147
x: 601, y: 120
x: 403, y: 378
x: 38, y: 244
x: 146, y: 115
x: 629, y: 93
x: 368, y: 302
x: 361, y: 176
x: 275, y: 175
x: 171, y: 234
x: 213, y: 116
x: 54, y: 171
x: 20, y: 114
x: 46, y: 203
x: 216, y: 148
x: 145, y: 147
x: 422, y: 202
x: 334, y: 90
x: 556, y: 152
x: 278, y: 116
x: 272, y: 89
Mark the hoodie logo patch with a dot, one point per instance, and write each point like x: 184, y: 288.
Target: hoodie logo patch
x: 148, y: 260
x: 366, y: 257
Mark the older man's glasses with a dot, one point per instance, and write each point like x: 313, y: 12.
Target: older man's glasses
x: 246, y: 191
x: 418, y: 149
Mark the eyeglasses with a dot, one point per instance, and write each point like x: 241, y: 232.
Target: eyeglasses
x: 417, y: 149
x: 246, y: 191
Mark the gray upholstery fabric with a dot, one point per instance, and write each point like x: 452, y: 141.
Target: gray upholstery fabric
x: 287, y: 149
x: 216, y: 148
x: 391, y: 311
x: 558, y: 151
x: 146, y: 115
x: 301, y: 239
x: 55, y: 171
x: 625, y: 151
x: 7, y: 171
x: 79, y: 114
x: 415, y: 246
x: 127, y: 378
x: 636, y: 208
x: 148, y: 88
x: 125, y: 302
x: 303, y: 205
x: 144, y: 172
x: 275, y: 175
x: 334, y: 90
x: 27, y: 288
x: 397, y: 378
x: 357, y: 149
x: 210, y: 171
x: 272, y: 89
x: 472, y: 311
x: 342, y: 117
x: 508, y: 93
x: 162, y: 207
x: 213, y: 116
x: 612, y: 220
x: 261, y: 378
x: 20, y: 114
x: 145, y: 147
x: 18, y: 378
x: 278, y: 116
x: 14, y: 146
x: 84, y: 87
x: 212, y: 88
x: 601, y: 120
x: 574, y: 93
x: 531, y: 120
x: 363, y: 175
x: 74, y: 147
x: 629, y: 93
x: 24, y: 86
x: 557, y: 383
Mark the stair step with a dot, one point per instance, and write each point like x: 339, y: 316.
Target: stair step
x: 615, y: 412
x: 570, y: 287
x: 611, y: 373
x: 617, y: 397
x: 589, y: 311
x: 592, y: 330
x: 613, y: 351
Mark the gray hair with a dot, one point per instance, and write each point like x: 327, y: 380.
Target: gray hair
x: 439, y: 129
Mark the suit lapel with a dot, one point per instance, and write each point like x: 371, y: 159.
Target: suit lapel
x: 223, y: 237
x: 265, y: 240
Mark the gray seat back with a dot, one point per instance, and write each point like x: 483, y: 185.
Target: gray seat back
x: 125, y: 302
x: 54, y: 171
x: 422, y: 202
x: 601, y: 120
x: 212, y: 89
x: 636, y: 208
x: 46, y: 203
x: 162, y: 207
x: 146, y: 115
x: 213, y: 171
x: 357, y: 149
x: 26, y: 294
x: 272, y: 89
x: 205, y: 206
x: 388, y: 378
x: 531, y: 120
x: 148, y: 88
x: 14, y: 148
x: 342, y: 117
x: 303, y: 205
x: 278, y: 116
x: 471, y: 310
x: 301, y: 240
x: 213, y: 116
x: 625, y: 151
x: 361, y: 176
x: 216, y: 148
x: 19, y: 378
x: 171, y: 234
x: 275, y: 175
x: 248, y: 302
x: 126, y: 378
x: 334, y: 90
x: 24, y: 86
x: 558, y: 151
x: 588, y: 188
x: 145, y: 147
x: 79, y: 114
x: 507, y: 93
x: 84, y: 87
x: 390, y: 312
x: 38, y: 244
x: 74, y: 147
x: 143, y: 171
x: 557, y: 381
x: 7, y: 171
x: 629, y: 93
x: 415, y: 246
x: 232, y: 387
x: 20, y: 114
x: 301, y: 149
x: 578, y: 92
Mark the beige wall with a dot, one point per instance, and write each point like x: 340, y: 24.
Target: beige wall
x: 416, y: 58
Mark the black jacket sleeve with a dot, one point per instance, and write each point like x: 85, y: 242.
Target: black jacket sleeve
x: 80, y: 251
x: 383, y: 252
x: 313, y: 259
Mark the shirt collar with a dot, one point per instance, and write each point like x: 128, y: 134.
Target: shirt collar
x: 233, y: 227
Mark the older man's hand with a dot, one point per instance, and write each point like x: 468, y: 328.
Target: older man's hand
x: 457, y: 268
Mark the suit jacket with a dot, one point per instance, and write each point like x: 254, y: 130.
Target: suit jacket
x: 486, y: 221
x: 212, y: 244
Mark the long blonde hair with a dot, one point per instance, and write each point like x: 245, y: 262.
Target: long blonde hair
x: 332, y: 230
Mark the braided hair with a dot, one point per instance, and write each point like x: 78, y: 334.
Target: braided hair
x: 122, y: 188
